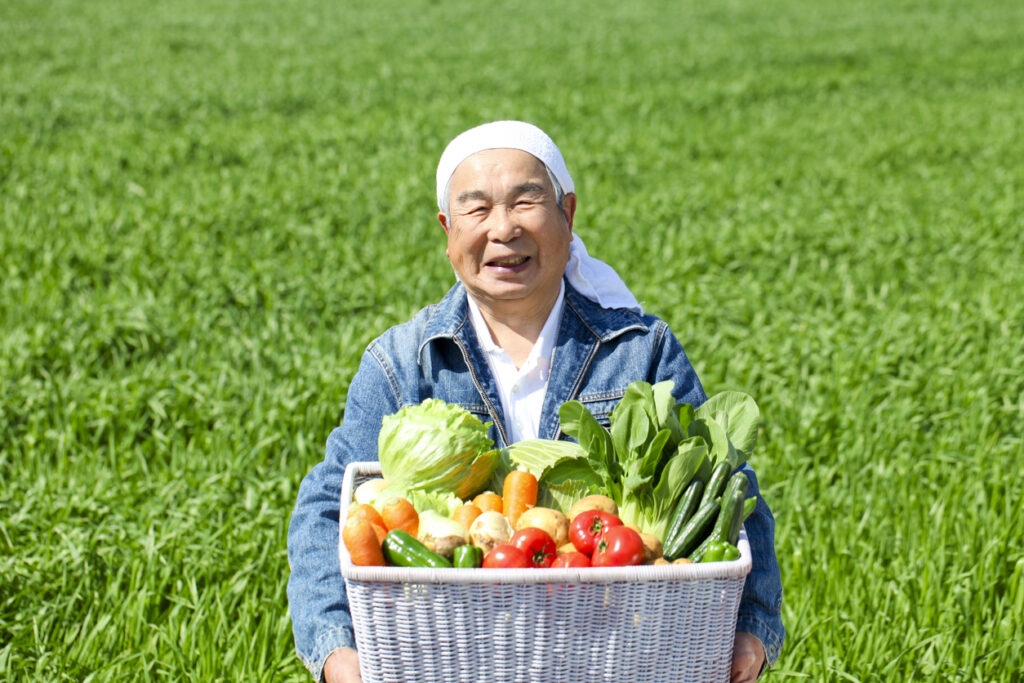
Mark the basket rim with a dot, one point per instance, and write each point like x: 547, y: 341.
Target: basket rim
x: 736, y: 569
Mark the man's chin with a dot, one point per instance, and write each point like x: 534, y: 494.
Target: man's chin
x: 500, y: 291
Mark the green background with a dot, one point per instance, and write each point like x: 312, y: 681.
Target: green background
x: 207, y: 209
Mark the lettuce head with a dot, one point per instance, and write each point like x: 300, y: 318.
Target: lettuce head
x: 435, y: 454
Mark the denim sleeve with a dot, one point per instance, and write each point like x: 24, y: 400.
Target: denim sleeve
x: 761, y: 603
x: 321, y: 622
x: 669, y: 361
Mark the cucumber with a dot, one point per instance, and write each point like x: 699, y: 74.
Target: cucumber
x: 685, y: 508
x: 748, y: 507
x: 730, y: 517
x: 735, y: 490
x: 717, y: 482
x: 402, y: 550
x: 737, y: 482
x: 726, y: 515
x: 736, y: 522
x: 695, y: 531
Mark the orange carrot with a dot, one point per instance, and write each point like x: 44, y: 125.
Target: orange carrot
x: 398, y: 513
x: 488, y: 501
x: 381, y: 532
x: 465, y: 514
x: 367, y: 512
x: 519, y: 493
x: 361, y: 542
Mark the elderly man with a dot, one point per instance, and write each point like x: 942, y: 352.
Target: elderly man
x: 532, y: 322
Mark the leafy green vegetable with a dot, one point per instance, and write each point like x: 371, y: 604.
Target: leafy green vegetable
x: 595, y: 440
x: 566, y: 482
x: 435, y: 454
x: 652, y: 451
x: 738, y: 416
x: 535, y: 456
x: 538, y: 456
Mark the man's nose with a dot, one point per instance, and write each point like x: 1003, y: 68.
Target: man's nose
x: 504, y: 226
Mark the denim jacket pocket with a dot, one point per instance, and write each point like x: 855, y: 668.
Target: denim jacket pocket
x: 602, y: 403
x: 477, y: 409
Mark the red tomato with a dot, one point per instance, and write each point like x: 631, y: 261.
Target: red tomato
x: 565, y: 560
x: 588, y: 526
x: 537, y: 544
x: 506, y: 556
x: 619, y: 546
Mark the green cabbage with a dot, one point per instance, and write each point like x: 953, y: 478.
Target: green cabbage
x: 435, y: 454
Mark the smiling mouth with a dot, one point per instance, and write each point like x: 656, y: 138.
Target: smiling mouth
x: 509, y: 262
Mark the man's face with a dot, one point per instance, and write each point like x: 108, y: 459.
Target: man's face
x: 508, y: 240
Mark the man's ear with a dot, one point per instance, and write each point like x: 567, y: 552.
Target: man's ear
x: 444, y: 221
x: 569, y: 208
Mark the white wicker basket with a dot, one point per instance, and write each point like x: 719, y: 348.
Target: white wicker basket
x: 649, y: 623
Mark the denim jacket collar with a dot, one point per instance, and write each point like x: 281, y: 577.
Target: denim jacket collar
x: 584, y: 326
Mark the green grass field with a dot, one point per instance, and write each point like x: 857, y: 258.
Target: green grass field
x: 207, y: 209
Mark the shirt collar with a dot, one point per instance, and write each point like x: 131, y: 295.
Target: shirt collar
x: 450, y: 316
x: 545, y: 343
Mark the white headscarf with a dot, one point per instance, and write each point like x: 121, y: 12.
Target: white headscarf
x: 593, y: 279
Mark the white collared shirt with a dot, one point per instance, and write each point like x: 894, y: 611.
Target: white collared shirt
x: 521, y: 389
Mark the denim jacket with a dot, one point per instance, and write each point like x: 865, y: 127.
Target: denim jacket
x: 597, y: 354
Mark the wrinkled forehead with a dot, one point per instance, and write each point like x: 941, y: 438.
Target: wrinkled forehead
x: 487, y: 167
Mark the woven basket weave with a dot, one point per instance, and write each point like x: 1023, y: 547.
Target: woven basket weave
x: 649, y: 623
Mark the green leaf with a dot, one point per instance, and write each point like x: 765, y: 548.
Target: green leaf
x: 577, y: 422
x: 536, y: 455
x: 651, y: 456
x: 568, y: 469
x: 667, y: 416
x: 633, y: 421
x: 567, y: 481
x: 680, y: 470
x: 664, y: 402
x: 442, y: 503
x: 739, y: 416
x: 562, y: 496
x: 714, y: 434
x: 684, y: 414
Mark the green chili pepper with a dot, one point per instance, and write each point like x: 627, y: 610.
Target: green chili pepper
x: 468, y: 556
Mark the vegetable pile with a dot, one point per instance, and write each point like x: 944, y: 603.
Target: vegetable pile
x: 659, y: 485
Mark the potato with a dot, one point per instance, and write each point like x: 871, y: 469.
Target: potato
x: 661, y: 560
x: 652, y: 547
x: 603, y: 503
x: 552, y: 521
x: 567, y: 548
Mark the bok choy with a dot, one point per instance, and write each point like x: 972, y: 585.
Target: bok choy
x: 653, y: 449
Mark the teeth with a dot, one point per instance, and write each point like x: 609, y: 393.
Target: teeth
x: 514, y: 261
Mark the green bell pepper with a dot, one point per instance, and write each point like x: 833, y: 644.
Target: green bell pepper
x: 468, y: 556
x: 721, y: 551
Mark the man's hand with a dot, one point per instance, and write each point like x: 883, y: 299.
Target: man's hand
x: 342, y: 666
x: 747, y: 658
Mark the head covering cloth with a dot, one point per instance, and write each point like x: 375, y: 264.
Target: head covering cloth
x: 593, y: 278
